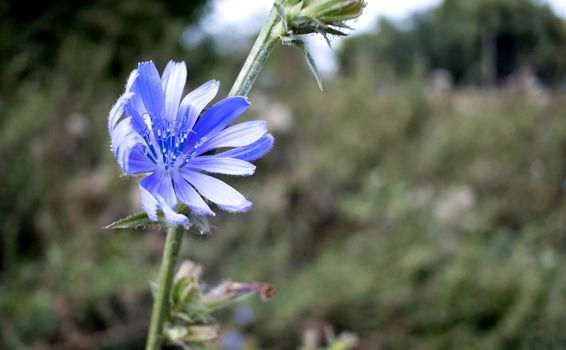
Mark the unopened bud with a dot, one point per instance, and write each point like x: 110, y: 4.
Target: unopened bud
x: 186, y: 285
x: 318, y: 16
x: 190, y: 270
x: 229, y: 292
x: 181, y: 334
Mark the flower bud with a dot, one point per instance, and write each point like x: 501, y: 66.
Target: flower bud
x: 189, y: 319
x: 199, y: 333
x: 186, y: 285
x: 318, y: 16
x: 229, y: 292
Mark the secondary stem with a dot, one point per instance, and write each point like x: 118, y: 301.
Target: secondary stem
x: 166, y: 271
x: 264, y: 44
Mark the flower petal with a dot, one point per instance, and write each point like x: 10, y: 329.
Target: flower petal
x: 187, y: 194
x: 131, y: 80
x: 171, y: 216
x: 124, y: 138
x: 239, y: 135
x: 148, y: 85
x: 137, y: 113
x: 218, y: 117
x: 194, y: 103
x: 149, y: 203
x: 138, y: 162
x: 173, y: 82
x: 250, y: 152
x: 118, y: 110
x: 135, y: 108
x: 217, y: 191
x: 119, y: 107
x: 159, y: 184
x: 221, y: 165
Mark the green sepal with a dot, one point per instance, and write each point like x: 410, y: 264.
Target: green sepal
x: 281, y: 13
x: 334, y: 31
x: 198, y: 223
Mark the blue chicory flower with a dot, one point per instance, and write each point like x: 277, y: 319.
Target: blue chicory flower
x: 153, y: 131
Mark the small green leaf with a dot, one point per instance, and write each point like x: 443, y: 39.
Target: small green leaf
x: 310, y: 60
x: 197, y: 223
x: 139, y: 220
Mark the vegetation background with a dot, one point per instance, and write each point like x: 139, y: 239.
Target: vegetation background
x: 419, y: 202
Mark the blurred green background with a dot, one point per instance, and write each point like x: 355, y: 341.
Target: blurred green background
x: 419, y: 202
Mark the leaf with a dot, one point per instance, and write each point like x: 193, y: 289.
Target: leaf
x: 197, y: 223
x: 310, y: 60
x: 138, y: 220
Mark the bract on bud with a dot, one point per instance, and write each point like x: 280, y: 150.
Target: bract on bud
x: 318, y: 16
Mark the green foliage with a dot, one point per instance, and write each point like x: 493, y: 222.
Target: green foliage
x: 33, y: 37
x: 415, y: 218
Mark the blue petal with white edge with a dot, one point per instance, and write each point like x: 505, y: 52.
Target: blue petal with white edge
x: 160, y: 184
x: 250, y: 152
x: 173, y: 82
x: 194, y: 103
x: 219, y: 116
x: 187, y: 194
x: 217, y: 191
x: 239, y: 135
x: 218, y: 165
x: 171, y: 216
x: 149, y: 203
x: 148, y: 85
x: 118, y: 110
x: 124, y: 138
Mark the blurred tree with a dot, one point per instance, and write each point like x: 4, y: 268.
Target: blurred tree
x: 33, y: 34
x: 475, y: 40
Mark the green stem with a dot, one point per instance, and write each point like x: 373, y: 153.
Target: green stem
x: 161, y: 303
x: 264, y: 44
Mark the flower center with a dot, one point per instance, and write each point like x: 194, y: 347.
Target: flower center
x: 168, y: 143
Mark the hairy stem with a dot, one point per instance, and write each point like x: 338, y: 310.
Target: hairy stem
x: 264, y: 44
x: 166, y: 272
